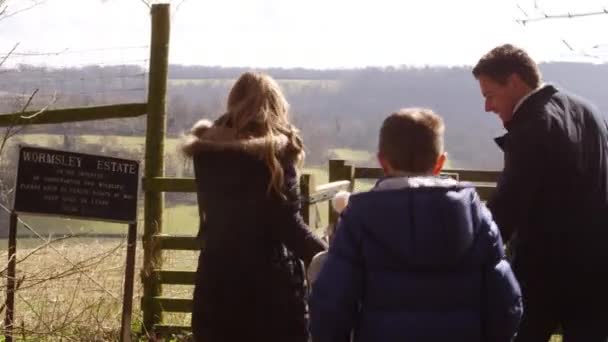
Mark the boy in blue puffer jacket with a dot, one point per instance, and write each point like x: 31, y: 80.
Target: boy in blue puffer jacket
x: 417, y: 258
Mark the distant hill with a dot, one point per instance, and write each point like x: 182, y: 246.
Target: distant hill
x: 333, y: 108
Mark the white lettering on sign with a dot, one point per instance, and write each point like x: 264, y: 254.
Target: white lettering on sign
x: 118, y: 167
x: 52, y: 158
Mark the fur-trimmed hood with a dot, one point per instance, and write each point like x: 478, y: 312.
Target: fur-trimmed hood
x: 205, y: 136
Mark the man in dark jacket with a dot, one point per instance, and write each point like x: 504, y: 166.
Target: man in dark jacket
x: 552, y: 197
x: 418, y: 258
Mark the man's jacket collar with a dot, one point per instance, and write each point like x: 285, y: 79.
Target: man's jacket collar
x: 525, y: 110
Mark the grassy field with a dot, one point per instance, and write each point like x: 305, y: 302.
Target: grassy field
x: 71, y: 290
x: 178, y: 220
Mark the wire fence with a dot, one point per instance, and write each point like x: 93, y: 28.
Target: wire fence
x: 71, y: 78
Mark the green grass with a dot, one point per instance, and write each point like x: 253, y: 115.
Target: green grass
x: 181, y: 220
x: 178, y: 220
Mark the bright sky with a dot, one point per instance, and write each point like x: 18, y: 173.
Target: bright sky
x: 312, y: 33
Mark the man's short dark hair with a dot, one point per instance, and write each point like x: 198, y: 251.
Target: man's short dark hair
x: 505, y: 60
x: 411, y: 140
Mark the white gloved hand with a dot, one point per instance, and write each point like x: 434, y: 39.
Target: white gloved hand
x: 340, y: 201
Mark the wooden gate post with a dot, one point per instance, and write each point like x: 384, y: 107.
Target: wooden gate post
x: 338, y: 170
x: 307, y: 188
x: 154, y: 159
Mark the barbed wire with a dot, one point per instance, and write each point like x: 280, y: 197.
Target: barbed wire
x: 67, y: 51
x: 594, y: 52
x: 567, y: 15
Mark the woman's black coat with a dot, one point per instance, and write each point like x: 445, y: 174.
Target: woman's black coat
x: 250, y: 280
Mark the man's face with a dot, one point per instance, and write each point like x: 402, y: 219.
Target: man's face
x: 499, y: 99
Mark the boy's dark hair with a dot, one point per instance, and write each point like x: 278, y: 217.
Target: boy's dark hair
x: 505, y: 60
x: 411, y: 139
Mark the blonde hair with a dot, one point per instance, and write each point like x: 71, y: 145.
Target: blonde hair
x: 256, y: 108
x: 412, y: 139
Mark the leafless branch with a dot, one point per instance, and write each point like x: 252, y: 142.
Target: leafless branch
x: 147, y: 3
x: 522, y: 11
x: 60, y: 254
x: 17, y: 286
x: 35, y: 250
x: 6, y: 14
x: 8, y: 54
x: 579, y: 51
x: 2, y: 7
x: 32, y: 116
x: 29, y: 100
x: 13, y: 130
x: 178, y: 5
x: 568, y: 15
x: 567, y: 45
x: 10, y: 129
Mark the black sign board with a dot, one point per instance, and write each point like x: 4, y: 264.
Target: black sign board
x: 77, y: 185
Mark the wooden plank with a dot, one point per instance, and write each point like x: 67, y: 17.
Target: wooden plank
x: 168, y: 329
x: 54, y: 116
x: 342, y: 185
x: 368, y: 172
x: 463, y: 175
x: 168, y: 304
x: 327, y: 191
x: 183, y: 243
x: 475, y: 175
x: 169, y: 184
x: 176, y: 277
x: 453, y: 175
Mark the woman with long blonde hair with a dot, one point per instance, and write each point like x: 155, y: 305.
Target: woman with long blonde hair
x: 250, y: 278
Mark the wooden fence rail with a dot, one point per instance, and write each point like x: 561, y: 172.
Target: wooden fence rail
x: 311, y: 195
x: 342, y: 177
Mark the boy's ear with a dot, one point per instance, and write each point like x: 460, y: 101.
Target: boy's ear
x: 439, y: 163
x: 386, y: 166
